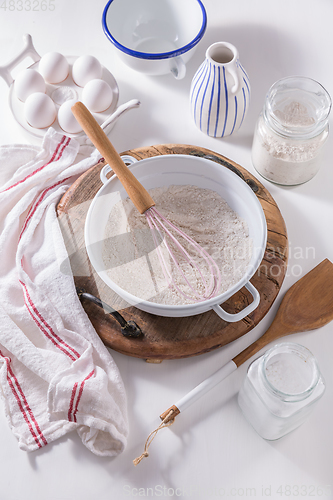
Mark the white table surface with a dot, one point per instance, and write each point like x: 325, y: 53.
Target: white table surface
x: 211, y: 451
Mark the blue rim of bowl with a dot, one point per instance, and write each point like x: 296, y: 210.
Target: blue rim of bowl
x: 157, y: 55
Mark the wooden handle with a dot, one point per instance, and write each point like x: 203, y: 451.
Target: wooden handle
x: 275, y: 331
x: 137, y: 193
x: 170, y: 414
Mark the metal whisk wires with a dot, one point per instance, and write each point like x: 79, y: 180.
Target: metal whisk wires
x: 159, y: 224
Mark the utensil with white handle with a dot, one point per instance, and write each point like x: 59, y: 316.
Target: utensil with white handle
x: 307, y: 305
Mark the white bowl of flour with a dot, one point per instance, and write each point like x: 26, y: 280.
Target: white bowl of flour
x: 209, y: 202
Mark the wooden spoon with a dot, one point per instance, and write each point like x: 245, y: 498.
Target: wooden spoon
x: 307, y: 305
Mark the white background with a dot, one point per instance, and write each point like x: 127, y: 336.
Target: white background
x: 211, y: 451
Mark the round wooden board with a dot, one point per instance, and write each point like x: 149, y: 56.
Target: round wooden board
x: 170, y: 338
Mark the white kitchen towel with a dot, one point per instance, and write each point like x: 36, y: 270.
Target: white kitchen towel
x: 56, y: 375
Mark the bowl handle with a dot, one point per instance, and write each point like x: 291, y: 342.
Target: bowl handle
x: 232, y: 318
x: 127, y: 159
x: 178, y: 67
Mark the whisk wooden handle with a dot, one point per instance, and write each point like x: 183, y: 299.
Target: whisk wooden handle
x: 137, y: 193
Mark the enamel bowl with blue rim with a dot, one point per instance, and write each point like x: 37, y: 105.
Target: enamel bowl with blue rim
x: 155, y: 37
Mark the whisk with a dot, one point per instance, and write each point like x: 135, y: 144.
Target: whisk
x: 159, y: 225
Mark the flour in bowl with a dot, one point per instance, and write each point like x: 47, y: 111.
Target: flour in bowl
x: 132, y: 262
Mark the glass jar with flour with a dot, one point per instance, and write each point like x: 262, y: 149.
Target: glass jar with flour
x: 280, y: 390
x: 291, y: 131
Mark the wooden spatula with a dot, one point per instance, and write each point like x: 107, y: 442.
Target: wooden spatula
x: 307, y: 305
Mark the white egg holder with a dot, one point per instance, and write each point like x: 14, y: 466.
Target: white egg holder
x: 66, y: 90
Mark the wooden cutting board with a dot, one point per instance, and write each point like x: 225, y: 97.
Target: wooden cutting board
x: 170, y: 338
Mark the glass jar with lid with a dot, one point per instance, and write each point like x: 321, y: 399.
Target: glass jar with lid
x: 280, y: 390
x: 291, y: 131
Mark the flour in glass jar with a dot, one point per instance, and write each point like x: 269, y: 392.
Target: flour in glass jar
x: 284, y: 159
x: 131, y: 259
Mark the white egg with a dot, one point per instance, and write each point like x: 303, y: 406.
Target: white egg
x: 66, y: 119
x: 86, y: 68
x: 54, y: 67
x: 39, y: 110
x: 97, y: 95
x: 27, y: 82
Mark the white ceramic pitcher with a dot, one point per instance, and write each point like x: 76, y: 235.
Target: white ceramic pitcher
x: 220, y: 91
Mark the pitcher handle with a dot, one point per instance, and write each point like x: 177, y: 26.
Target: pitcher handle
x: 233, y: 71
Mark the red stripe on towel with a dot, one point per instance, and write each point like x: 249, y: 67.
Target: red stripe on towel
x: 46, y: 328
x: 71, y: 403
x: 71, y: 414
x: 43, y: 166
x: 37, y: 203
x: 80, y: 393
x: 23, y: 405
x: 34, y: 207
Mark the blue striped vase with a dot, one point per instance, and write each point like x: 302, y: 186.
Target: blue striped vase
x: 220, y: 92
